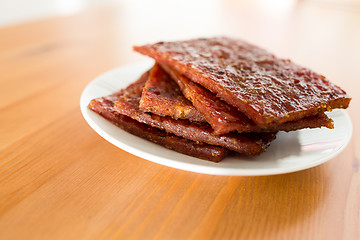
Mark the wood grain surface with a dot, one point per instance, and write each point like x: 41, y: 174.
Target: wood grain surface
x: 60, y: 180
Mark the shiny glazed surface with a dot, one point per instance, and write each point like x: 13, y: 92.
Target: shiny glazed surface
x: 162, y: 96
x: 245, y: 143
x: 225, y: 118
x: 104, y: 107
x: 267, y: 89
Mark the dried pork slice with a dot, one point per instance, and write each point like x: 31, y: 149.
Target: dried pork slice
x: 224, y: 118
x: 104, y: 107
x: 247, y: 143
x: 162, y: 96
x: 265, y: 88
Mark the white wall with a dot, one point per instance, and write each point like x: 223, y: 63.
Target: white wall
x: 18, y: 11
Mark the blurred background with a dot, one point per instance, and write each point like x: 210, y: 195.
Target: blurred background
x: 17, y: 11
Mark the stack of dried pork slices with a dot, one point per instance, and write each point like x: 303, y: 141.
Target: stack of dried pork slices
x: 206, y: 97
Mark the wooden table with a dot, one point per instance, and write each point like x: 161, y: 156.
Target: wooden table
x: 60, y: 180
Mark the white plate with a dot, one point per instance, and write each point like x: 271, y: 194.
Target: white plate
x: 290, y: 152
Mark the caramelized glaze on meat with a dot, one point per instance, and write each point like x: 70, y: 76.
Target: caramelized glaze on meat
x: 104, y: 107
x: 225, y: 118
x: 247, y: 143
x: 162, y: 96
x: 265, y: 88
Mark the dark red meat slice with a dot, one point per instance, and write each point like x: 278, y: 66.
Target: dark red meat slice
x: 104, y: 107
x: 265, y: 88
x: 224, y: 118
x: 247, y: 143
